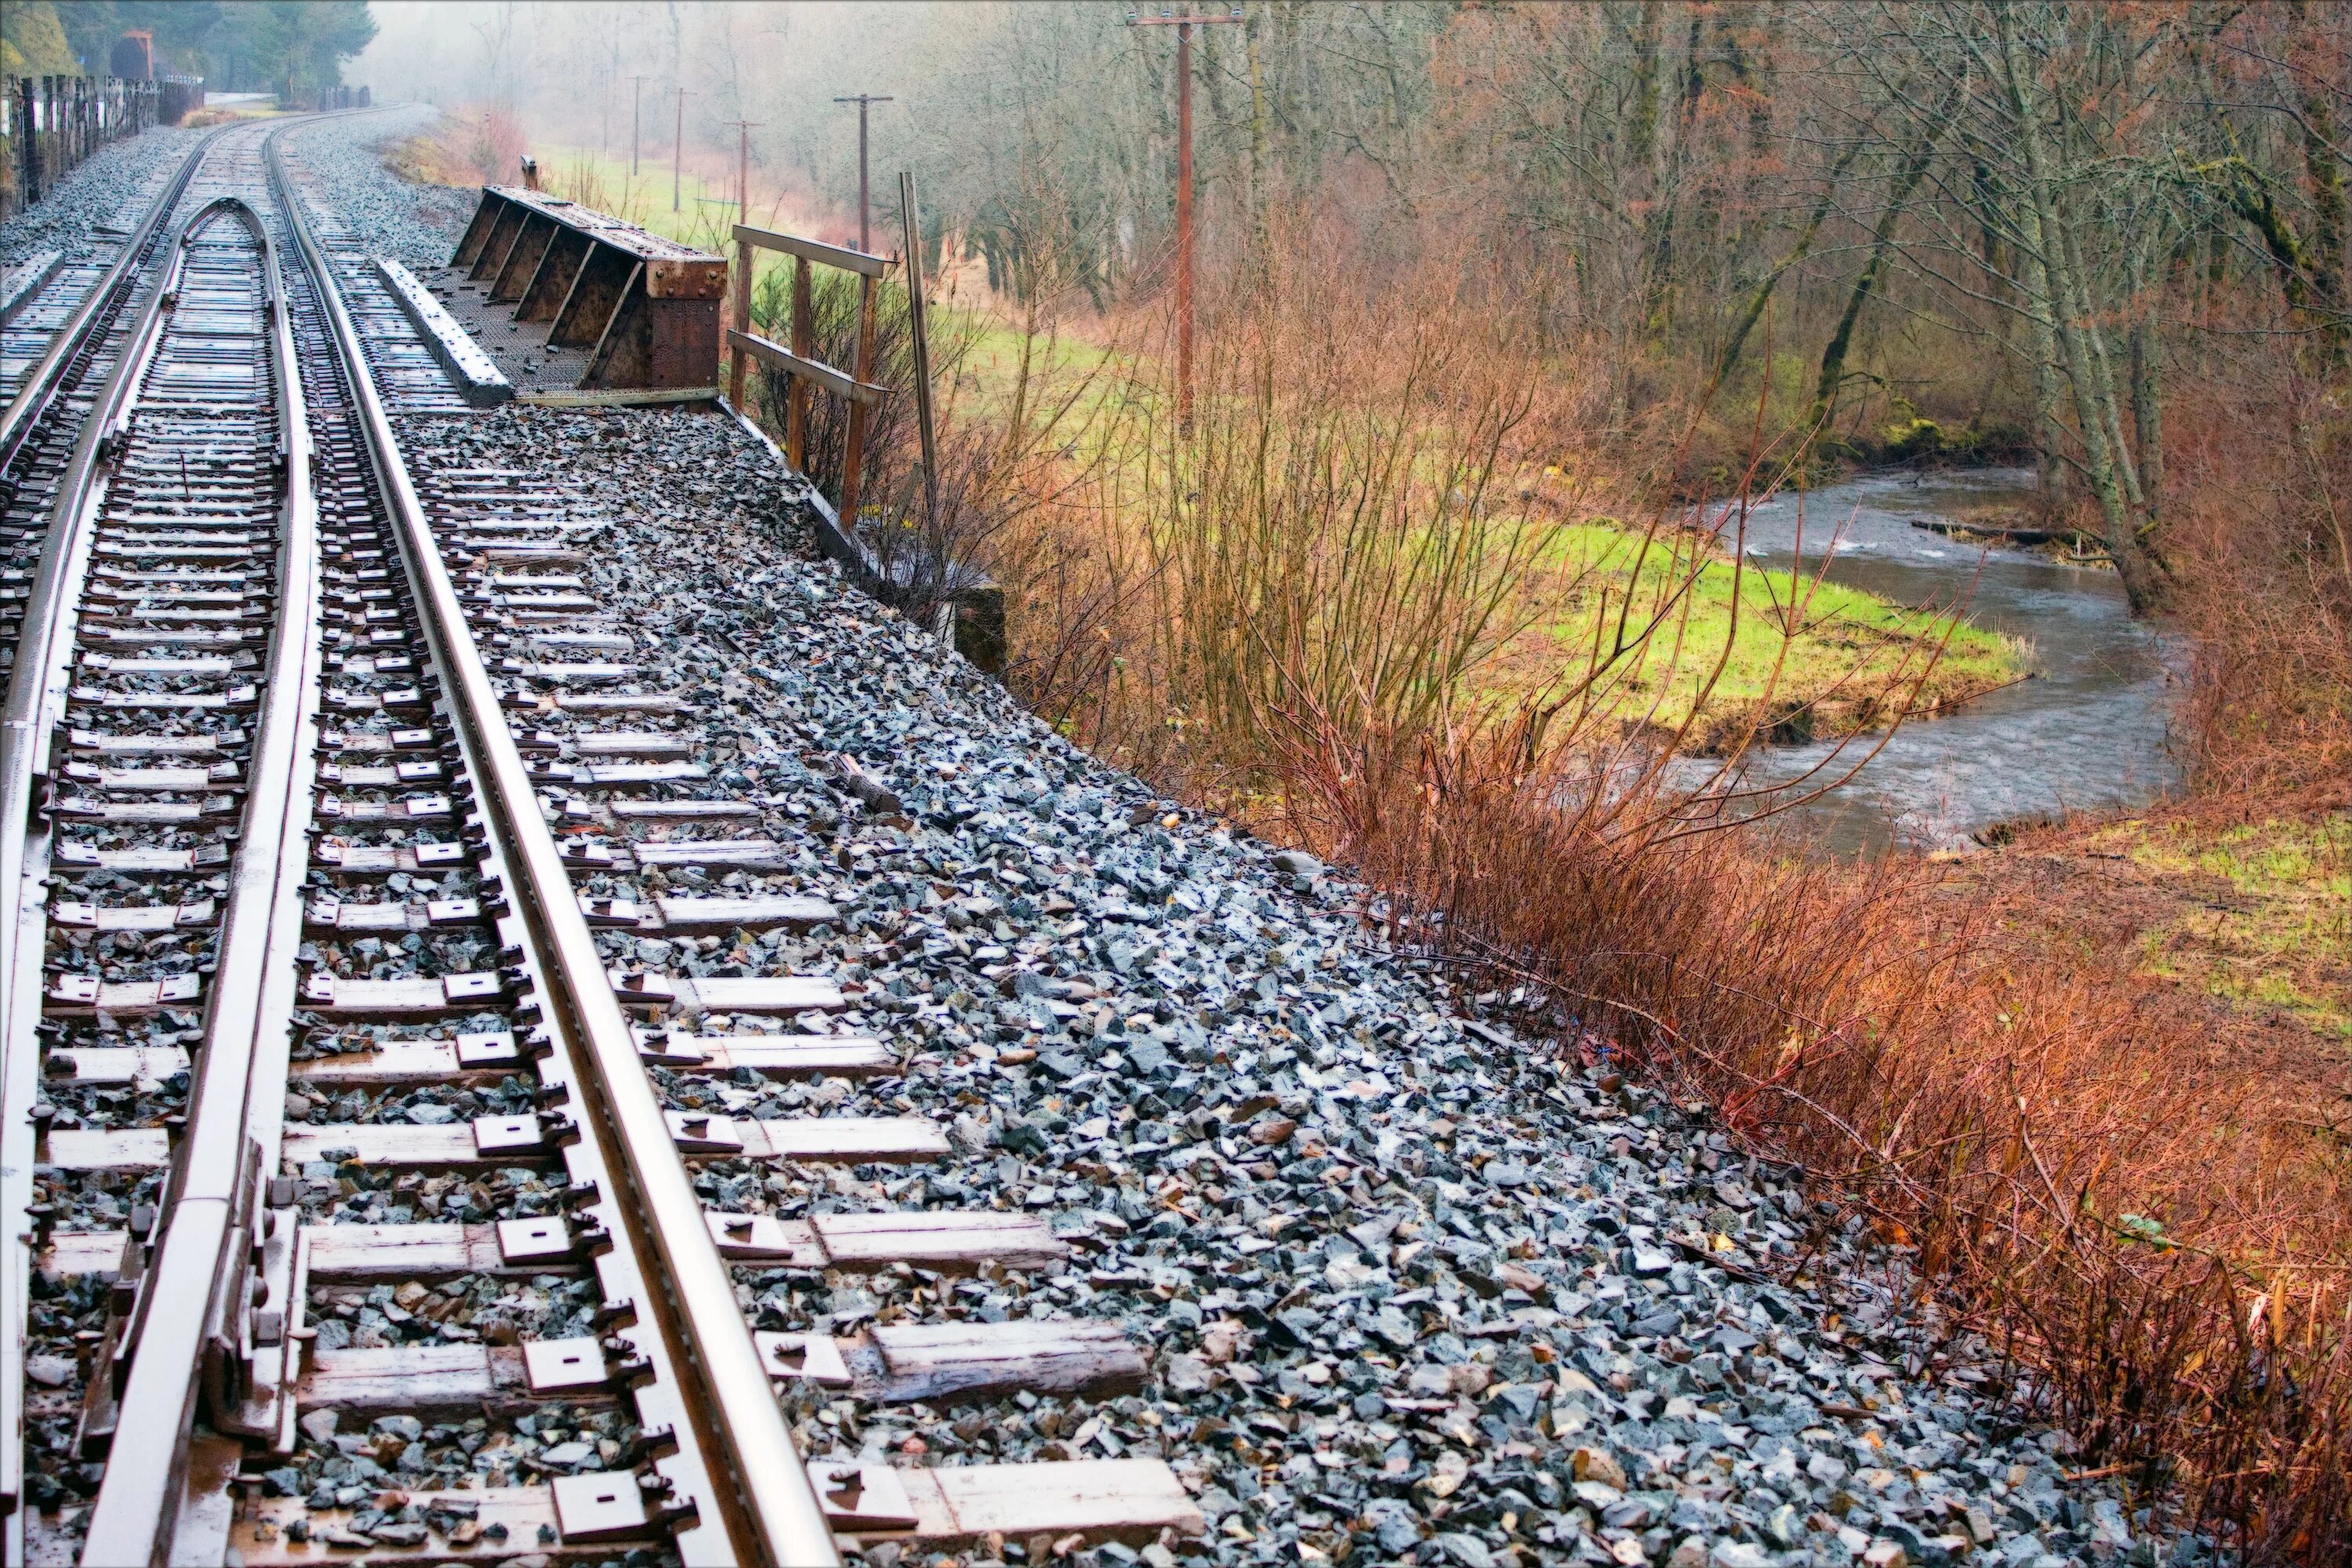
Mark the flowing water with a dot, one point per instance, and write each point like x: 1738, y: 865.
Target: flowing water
x: 2090, y: 730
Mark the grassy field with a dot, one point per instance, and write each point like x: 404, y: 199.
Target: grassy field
x: 459, y: 151
x: 705, y: 213
x: 1817, y: 657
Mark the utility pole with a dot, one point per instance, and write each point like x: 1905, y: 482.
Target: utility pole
x: 1183, y: 26
x: 743, y: 167
x: 864, y: 100
x: 637, y: 86
x: 677, y: 150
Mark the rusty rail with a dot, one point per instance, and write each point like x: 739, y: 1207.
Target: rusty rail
x: 762, y: 1505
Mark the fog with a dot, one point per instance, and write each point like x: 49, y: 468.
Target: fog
x: 575, y: 74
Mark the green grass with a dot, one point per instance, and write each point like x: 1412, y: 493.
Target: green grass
x: 1827, y: 679
x: 2277, y: 933
x: 705, y: 216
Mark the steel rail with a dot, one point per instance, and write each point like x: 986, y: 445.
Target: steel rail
x: 211, y: 1208
x: 43, y: 379
x: 20, y: 753
x: 36, y: 686
x: 37, y: 693
x: 766, y: 1510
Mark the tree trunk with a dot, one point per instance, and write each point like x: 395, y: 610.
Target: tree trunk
x: 2324, y: 170
x: 1257, y: 145
x: 2102, y: 368
x: 2148, y: 415
x: 2044, y: 234
x: 1882, y: 241
x: 1761, y: 295
x: 2049, y: 430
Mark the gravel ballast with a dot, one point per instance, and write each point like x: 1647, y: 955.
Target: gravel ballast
x: 1412, y: 1291
x: 417, y: 226
x: 103, y: 198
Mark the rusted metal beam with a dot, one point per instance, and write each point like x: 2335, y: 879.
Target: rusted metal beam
x: 647, y: 306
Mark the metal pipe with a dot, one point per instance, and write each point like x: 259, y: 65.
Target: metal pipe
x: 919, y: 332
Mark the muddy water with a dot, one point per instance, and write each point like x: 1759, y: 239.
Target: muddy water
x: 2089, y: 731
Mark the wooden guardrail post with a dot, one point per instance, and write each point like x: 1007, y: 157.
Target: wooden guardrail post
x: 803, y: 344
x: 853, y: 462
x: 735, y: 356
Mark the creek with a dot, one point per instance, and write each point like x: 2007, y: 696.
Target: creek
x: 2089, y: 731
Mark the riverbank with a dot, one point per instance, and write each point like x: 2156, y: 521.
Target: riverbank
x: 2090, y: 735
x: 1733, y: 651
x: 2240, y: 912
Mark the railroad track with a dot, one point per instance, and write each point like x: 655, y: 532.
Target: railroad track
x: 287, y: 736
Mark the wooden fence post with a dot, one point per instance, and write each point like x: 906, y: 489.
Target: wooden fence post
x: 854, y: 453
x: 797, y: 399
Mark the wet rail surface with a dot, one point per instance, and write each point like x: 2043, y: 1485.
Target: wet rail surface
x: 308, y: 1030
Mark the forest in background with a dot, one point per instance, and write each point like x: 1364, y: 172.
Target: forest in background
x: 1910, y: 230
x: 236, y: 46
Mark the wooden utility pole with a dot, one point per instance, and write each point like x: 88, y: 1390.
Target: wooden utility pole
x: 677, y: 150
x: 864, y: 100
x: 743, y: 167
x: 1183, y: 26
x: 637, y: 86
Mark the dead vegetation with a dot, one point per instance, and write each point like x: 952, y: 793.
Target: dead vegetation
x: 2145, y: 1208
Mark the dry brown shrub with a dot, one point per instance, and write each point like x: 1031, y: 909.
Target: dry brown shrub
x: 471, y: 146
x: 2150, y: 1221
x: 2264, y: 534
x: 2153, y: 1228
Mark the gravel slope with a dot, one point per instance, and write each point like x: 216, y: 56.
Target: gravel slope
x: 113, y: 185
x: 1414, y: 1292
x: 416, y: 224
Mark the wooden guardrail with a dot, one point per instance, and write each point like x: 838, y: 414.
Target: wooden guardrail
x: 797, y: 361
x: 964, y: 605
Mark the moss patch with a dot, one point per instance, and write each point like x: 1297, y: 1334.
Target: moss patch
x: 2263, y: 916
